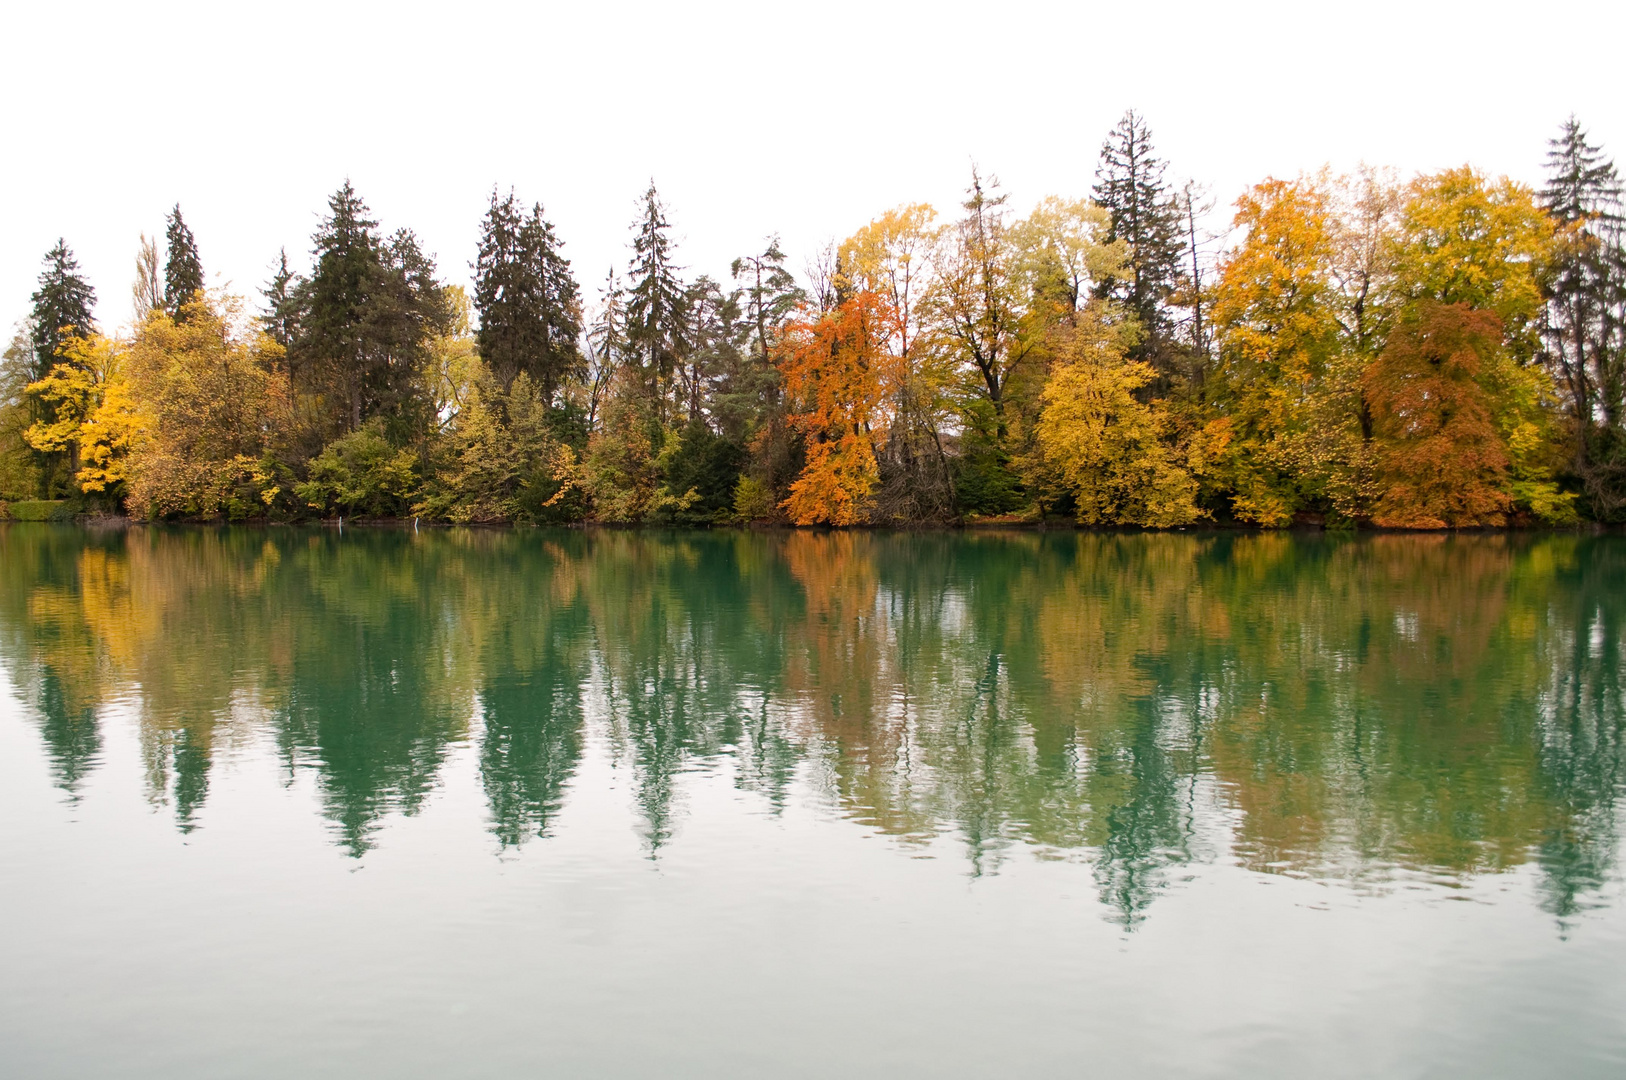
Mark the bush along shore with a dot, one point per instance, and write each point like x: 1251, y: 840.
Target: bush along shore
x: 1442, y: 351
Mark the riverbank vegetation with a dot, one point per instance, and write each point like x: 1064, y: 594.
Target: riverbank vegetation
x: 1441, y: 351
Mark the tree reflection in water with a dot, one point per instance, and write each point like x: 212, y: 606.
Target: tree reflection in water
x: 1333, y: 707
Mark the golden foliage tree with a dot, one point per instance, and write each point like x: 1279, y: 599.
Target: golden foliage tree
x: 1099, y: 442
x: 837, y: 374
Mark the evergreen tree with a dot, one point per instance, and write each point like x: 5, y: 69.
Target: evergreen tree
x: 1130, y: 185
x: 529, y: 304
x: 655, y: 303
x: 62, y: 307
x: 1586, y: 313
x: 280, y: 317
x: 183, y: 273
x: 363, y: 321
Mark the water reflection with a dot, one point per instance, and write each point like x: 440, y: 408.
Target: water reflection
x: 1337, y: 708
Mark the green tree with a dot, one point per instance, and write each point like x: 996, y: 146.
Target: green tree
x: 1586, y: 312
x: 183, y: 273
x: 1144, y: 213
x: 365, y: 318
x: 527, y: 297
x: 655, y: 304
x: 280, y: 316
x: 62, y: 307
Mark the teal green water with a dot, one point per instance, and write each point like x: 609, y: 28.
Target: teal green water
x: 490, y: 804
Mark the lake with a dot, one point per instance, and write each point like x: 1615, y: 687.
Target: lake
x: 306, y: 803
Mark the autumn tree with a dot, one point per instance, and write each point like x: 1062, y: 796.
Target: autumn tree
x: 891, y: 257
x: 1102, y: 447
x: 183, y: 271
x: 1442, y: 461
x: 147, y: 291
x: 61, y: 311
x: 837, y: 376
x: 216, y: 401
x: 1283, y: 423
x: 1465, y: 239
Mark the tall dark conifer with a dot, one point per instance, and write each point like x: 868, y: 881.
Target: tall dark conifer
x: 1586, y: 316
x: 655, y: 301
x: 183, y: 273
x: 62, y: 307
x: 280, y: 316
x: 364, y: 319
x: 529, y: 304
x: 1130, y: 184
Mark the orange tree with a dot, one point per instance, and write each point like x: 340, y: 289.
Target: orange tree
x: 837, y: 374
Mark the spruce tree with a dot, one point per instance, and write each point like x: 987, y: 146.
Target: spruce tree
x: 363, y: 321
x: 62, y: 308
x: 183, y: 273
x: 1130, y: 185
x: 1586, y: 324
x: 529, y: 304
x: 280, y: 316
x: 655, y: 302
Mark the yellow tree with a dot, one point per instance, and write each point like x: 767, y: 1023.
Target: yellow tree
x: 90, y: 413
x: 1100, y: 443
x: 891, y: 258
x: 217, y: 400
x: 1275, y: 313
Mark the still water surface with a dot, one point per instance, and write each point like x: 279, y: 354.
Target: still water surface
x: 491, y: 804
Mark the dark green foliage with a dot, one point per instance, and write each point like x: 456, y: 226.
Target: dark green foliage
x: 985, y: 485
x: 1586, y: 323
x: 62, y: 307
x: 183, y: 273
x: 280, y: 317
x: 709, y: 465
x: 655, y: 303
x: 364, y: 318
x: 1130, y: 185
x: 770, y: 296
x: 527, y: 297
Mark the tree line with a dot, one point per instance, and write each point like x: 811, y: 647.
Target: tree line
x: 1443, y: 351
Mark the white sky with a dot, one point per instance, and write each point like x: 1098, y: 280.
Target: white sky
x: 805, y: 120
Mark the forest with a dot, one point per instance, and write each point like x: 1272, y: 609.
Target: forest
x: 1442, y: 351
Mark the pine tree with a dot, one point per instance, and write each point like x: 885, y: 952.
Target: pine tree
x: 529, y: 304
x: 655, y: 303
x: 1130, y: 185
x: 183, y: 273
x: 62, y: 308
x: 1586, y: 312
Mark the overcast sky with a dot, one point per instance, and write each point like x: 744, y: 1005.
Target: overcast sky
x: 752, y: 118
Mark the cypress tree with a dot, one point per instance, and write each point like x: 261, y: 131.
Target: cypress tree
x: 655, y: 302
x: 183, y: 273
x: 1130, y: 185
x: 1586, y: 324
x: 62, y: 308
